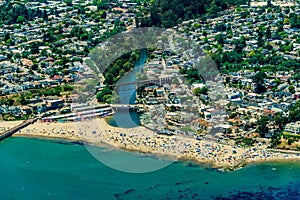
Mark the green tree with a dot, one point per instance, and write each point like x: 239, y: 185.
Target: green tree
x: 294, y: 114
x: 280, y: 27
x: 260, y: 40
x: 56, y: 11
x: 175, y: 81
x: 34, y: 48
x: 45, y: 15
x: 17, y: 56
x: 292, y: 89
x: 220, y: 39
x: 199, y: 91
x: 22, y: 100
x: 68, y: 2
x: 227, y: 79
x: 7, y: 36
x: 21, y: 19
x: 268, y: 33
x: 262, y: 127
x: 259, y: 79
x: 10, y: 102
x: 280, y: 120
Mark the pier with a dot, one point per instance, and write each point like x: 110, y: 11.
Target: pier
x: 15, y: 129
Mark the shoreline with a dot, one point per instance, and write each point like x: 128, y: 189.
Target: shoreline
x: 97, y: 132
x: 188, y: 160
x: 183, y: 160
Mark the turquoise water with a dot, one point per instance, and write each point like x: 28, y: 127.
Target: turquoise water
x: 124, y: 119
x: 41, y: 169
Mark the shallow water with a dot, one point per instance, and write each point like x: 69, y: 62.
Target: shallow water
x: 42, y: 169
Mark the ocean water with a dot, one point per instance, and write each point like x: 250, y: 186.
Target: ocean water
x: 49, y: 169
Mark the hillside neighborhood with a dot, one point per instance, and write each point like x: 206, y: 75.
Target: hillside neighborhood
x: 256, y: 48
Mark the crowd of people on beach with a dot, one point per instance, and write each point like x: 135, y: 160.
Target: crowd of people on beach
x: 144, y: 140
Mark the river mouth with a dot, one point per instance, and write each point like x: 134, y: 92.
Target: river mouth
x: 124, y: 119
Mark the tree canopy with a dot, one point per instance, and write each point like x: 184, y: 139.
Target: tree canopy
x: 168, y: 13
x: 11, y: 13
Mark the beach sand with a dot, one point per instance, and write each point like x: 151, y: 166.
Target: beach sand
x: 141, y: 139
x: 5, y: 125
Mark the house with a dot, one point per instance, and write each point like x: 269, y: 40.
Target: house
x: 269, y: 113
x: 38, y: 107
x: 154, y: 65
x: 150, y: 89
x: 200, y: 124
x: 198, y: 85
x: 223, y: 128
x: 207, y: 115
x: 160, y: 92
x: 3, y: 57
x: 27, y: 110
x: 293, y: 128
x: 54, y: 104
x: 246, y: 82
x: 234, y: 95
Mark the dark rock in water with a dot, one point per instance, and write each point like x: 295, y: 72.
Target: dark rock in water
x: 117, y: 196
x: 128, y: 191
x: 62, y: 142
x: 206, y: 182
x: 289, y: 191
x: 192, y: 165
x: 78, y: 142
x: 273, y: 188
x: 124, y: 193
x: 194, y: 196
x: 184, y: 182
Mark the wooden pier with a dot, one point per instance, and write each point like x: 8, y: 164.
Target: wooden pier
x: 15, y: 129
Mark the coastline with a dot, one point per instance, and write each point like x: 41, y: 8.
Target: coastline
x: 185, y: 160
x: 212, y: 155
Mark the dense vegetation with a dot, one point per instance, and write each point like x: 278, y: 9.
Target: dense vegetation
x: 114, y: 72
x: 11, y: 13
x: 269, y: 56
x: 233, y: 60
x: 167, y: 13
x: 281, y: 121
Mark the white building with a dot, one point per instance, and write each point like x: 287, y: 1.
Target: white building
x: 293, y: 128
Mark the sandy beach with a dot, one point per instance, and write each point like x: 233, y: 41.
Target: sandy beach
x: 6, y: 125
x: 141, y: 139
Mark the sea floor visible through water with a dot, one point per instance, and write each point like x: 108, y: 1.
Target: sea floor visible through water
x: 51, y: 169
